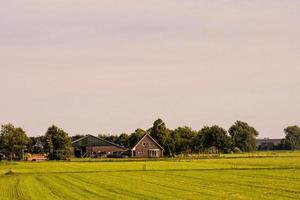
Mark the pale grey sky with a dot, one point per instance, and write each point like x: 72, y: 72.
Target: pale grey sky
x: 92, y: 66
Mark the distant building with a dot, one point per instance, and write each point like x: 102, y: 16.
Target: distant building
x: 90, y: 145
x: 268, y: 144
x: 147, y: 147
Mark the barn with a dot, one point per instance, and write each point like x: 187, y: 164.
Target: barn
x: 147, y: 147
x: 90, y: 146
x: 268, y: 144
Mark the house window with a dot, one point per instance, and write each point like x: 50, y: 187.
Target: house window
x: 153, y: 153
x: 144, y: 143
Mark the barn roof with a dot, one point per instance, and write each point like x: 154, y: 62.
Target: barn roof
x: 90, y: 140
x: 151, y: 138
x: 268, y: 140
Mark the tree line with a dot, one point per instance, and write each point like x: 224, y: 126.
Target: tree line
x: 240, y: 137
x: 56, y: 143
x: 184, y: 140
x: 14, y: 142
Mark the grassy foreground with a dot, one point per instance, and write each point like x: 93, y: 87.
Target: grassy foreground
x: 246, y: 176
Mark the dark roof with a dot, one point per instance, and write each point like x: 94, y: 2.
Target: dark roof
x: 90, y: 140
x: 147, y: 135
x: 268, y: 140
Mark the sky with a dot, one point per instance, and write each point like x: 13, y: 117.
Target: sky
x: 108, y: 66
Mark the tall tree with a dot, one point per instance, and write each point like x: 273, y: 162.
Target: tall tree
x: 292, y: 137
x: 243, y: 136
x: 57, y: 144
x: 161, y: 134
x: 215, y: 137
x: 13, y: 140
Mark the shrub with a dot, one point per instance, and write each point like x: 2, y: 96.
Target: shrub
x: 237, y: 150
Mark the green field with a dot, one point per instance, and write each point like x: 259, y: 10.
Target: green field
x: 244, y: 176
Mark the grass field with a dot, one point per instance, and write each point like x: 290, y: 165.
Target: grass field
x: 243, y: 176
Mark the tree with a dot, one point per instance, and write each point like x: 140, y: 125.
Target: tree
x: 184, y: 139
x: 173, y: 142
x: 136, y: 136
x: 197, y: 142
x: 109, y: 137
x: 243, y: 136
x: 215, y: 137
x: 36, y: 144
x: 13, y: 140
x: 76, y: 137
x: 57, y: 144
x: 123, y: 140
x: 292, y: 137
x: 161, y: 134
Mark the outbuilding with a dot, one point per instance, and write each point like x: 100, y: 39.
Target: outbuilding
x: 90, y: 145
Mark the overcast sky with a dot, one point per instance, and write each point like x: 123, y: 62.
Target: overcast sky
x: 93, y: 66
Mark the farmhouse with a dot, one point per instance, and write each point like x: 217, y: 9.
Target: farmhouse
x: 93, y: 146
x: 147, y: 147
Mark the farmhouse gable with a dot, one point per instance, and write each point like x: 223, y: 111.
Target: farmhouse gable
x: 147, y: 147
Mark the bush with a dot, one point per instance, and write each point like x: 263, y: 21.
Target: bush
x: 59, y: 155
x: 237, y: 150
